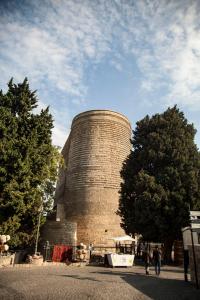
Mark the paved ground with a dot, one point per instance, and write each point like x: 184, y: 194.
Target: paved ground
x: 65, y: 282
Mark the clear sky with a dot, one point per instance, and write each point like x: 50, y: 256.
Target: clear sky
x: 132, y: 56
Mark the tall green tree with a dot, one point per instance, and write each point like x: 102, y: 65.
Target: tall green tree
x: 161, y: 178
x: 27, y: 162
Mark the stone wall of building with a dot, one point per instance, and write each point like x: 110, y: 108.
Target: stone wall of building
x: 88, y: 188
x: 58, y: 233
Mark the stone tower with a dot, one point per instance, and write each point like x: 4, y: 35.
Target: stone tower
x: 87, y: 190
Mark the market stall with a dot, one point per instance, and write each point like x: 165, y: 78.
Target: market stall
x: 122, y: 259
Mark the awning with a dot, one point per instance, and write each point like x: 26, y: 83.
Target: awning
x: 122, y: 238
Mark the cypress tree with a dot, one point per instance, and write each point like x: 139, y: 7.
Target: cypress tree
x: 26, y: 159
x: 161, y: 180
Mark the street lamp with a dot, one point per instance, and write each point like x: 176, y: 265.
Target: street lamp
x: 38, y: 228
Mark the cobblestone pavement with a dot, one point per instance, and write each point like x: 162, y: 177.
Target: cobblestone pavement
x: 91, y: 282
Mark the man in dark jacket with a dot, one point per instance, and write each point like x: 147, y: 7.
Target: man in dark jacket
x: 146, y: 262
x: 157, y: 259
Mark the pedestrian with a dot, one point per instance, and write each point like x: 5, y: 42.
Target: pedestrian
x: 186, y: 263
x: 90, y: 248
x: 146, y: 257
x: 157, y: 260
x: 138, y: 250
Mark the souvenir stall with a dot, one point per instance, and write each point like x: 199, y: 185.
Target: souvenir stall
x: 125, y: 248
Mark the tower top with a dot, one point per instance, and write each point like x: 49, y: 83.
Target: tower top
x: 100, y: 113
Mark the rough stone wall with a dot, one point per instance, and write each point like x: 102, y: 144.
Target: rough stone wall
x: 99, y: 143
x: 59, y: 233
x: 62, y: 173
x: 6, y: 261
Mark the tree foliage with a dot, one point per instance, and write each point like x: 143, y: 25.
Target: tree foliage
x: 160, y: 177
x: 28, y: 162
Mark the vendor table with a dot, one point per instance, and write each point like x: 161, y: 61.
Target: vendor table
x: 120, y: 260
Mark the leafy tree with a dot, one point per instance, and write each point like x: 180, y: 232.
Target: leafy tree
x: 160, y: 178
x: 28, y: 162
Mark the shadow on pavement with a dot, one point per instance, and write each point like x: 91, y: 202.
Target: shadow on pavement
x: 10, y: 292
x: 158, y: 288
x: 163, y: 269
x: 79, y: 278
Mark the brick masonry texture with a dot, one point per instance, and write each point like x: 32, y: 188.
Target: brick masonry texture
x: 87, y: 190
x: 58, y: 233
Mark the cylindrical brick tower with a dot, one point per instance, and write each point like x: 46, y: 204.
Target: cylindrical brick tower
x: 87, y: 192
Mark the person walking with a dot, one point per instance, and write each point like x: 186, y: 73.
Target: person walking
x: 138, y: 250
x: 146, y: 256
x: 186, y: 264
x: 90, y: 248
x: 157, y: 260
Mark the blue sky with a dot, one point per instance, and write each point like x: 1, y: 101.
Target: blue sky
x: 132, y: 56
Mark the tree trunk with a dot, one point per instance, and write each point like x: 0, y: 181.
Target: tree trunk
x: 167, y: 255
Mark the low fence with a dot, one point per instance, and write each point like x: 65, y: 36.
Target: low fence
x: 58, y: 253
x: 61, y: 253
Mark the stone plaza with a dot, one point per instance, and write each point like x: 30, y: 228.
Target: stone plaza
x: 94, y: 282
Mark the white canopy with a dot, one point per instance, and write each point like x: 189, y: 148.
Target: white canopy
x: 122, y: 238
